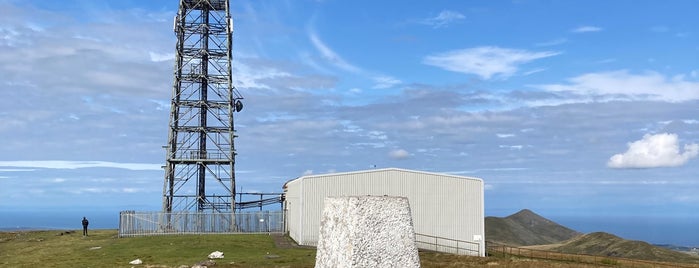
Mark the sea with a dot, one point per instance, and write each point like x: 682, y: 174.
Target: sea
x: 659, y: 231
x: 58, y: 219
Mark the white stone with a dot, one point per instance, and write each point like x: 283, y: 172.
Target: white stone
x: 367, y: 231
x: 136, y: 261
x: 216, y: 255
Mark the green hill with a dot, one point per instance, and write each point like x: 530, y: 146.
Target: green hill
x: 526, y: 228
x: 604, y: 244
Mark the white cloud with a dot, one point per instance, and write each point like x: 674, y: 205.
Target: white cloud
x: 660, y: 150
x: 257, y: 76
x: 444, y: 18
x: 15, y: 170
x: 659, y: 29
x: 504, y: 169
x: 505, y: 135
x: 155, y: 56
x: 399, y: 154
x: 511, y: 147
x: 330, y: 55
x: 383, y: 82
x: 486, y: 61
x: 622, y: 84
x: 132, y: 190
x: 586, y: 29
x: 56, y: 164
x: 553, y: 42
x: 355, y: 91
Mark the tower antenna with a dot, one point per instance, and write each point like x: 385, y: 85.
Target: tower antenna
x: 200, y: 161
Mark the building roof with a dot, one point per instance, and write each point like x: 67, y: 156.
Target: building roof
x: 380, y: 170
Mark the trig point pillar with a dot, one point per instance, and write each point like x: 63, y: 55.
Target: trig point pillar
x: 367, y: 231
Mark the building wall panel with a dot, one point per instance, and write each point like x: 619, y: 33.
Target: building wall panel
x: 441, y: 205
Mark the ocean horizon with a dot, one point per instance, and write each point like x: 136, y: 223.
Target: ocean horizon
x: 654, y: 230
x: 659, y: 231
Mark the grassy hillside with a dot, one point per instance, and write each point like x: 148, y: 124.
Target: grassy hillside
x: 526, y: 228
x: 103, y: 249
x: 605, y: 244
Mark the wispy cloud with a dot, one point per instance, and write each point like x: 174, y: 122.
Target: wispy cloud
x: 486, y: 62
x: 586, y: 29
x: 443, y: 19
x: 330, y: 55
x: 504, y: 169
x: 399, y: 154
x: 505, y: 135
x: 660, y: 150
x: 385, y: 81
x: 56, y: 164
x: 553, y: 42
x: 155, y: 56
x: 624, y: 85
x: 659, y: 29
x: 16, y: 169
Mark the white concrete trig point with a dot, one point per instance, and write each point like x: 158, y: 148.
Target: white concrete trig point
x: 367, y: 231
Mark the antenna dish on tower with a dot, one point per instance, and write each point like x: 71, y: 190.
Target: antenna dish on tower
x: 238, y: 106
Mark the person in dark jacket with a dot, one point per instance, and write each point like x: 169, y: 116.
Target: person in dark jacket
x: 85, y: 223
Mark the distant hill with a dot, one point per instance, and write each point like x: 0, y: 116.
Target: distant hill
x: 526, y: 228
x: 605, y: 244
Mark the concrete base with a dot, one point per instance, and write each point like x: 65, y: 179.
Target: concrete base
x: 367, y: 231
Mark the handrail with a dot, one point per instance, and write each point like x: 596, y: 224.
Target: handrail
x: 494, y: 247
x: 457, y: 248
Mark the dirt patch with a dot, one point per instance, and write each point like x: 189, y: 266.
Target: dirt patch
x: 284, y: 241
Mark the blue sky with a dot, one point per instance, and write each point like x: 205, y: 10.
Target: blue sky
x: 568, y: 108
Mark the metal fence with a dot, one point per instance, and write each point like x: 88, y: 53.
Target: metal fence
x: 495, y: 249
x: 447, y: 245
x: 132, y: 223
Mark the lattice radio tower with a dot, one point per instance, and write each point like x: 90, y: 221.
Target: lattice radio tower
x: 200, y: 162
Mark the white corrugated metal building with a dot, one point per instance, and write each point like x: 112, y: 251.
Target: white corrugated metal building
x: 447, y: 210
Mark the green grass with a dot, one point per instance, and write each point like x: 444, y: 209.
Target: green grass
x: 47, y: 248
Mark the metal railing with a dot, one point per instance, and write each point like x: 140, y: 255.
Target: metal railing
x: 496, y: 249
x: 447, y: 245
x: 132, y: 223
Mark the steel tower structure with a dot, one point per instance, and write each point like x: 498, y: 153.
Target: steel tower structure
x: 200, y: 161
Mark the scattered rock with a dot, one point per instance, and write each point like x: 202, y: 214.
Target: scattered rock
x: 272, y: 256
x: 136, y: 261
x: 216, y: 255
x: 65, y: 233
x: 204, y: 264
x: 208, y: 263
x: 93, y: 248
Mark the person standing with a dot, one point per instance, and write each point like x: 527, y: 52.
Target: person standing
x: 85, y: 223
